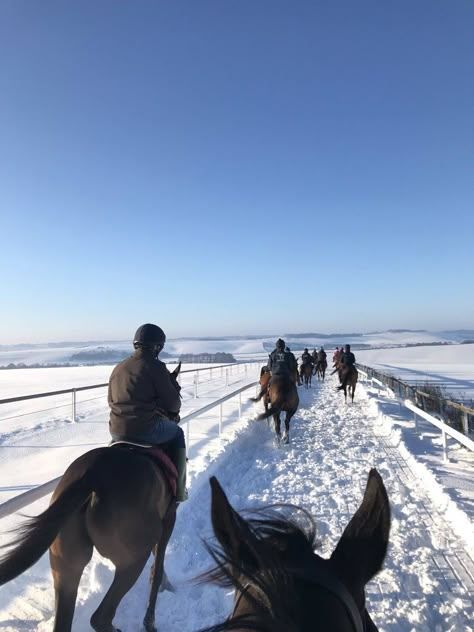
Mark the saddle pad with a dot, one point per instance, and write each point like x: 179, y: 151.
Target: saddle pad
x: 158, y: 455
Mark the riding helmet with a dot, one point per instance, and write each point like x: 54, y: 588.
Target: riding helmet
x: 149, y: 335
x: 280, y: 344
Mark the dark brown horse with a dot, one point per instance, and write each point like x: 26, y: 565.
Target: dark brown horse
x: 306, y: 373
x: 116, y: 500
x: 282, y: 396
x: 281, y: 584
x: 320, y: 369
x: 349, y: 377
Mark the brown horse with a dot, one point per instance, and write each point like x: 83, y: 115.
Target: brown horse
x: 349, y: 377
x: 320, y: 369
x: 306, y: 373
x: 282, y: 396
x: 280, y: 583
x: 265, y: 376
x: 114, y: 499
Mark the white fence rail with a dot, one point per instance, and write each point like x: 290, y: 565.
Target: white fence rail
x: 418, y: 412
x: 32, y: 495
x: 222, y: 370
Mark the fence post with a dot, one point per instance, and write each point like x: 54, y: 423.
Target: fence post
x: 227, y: 377
x: 196, y: 379
x: 465, y: 424
x: 240, y: 405
x: 73, y: 405
x: 220, y: 419
x: 445, y: 446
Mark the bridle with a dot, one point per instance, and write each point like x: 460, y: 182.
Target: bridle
x: 320, y: 577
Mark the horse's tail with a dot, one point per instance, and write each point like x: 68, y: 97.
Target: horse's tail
x: 273, y: 410
x: 259, y: 396
x: 38, y: 533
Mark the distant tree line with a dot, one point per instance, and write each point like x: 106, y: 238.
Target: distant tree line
x: 198, y: 358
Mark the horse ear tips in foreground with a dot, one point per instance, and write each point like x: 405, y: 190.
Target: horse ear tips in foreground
x: 316, y: 593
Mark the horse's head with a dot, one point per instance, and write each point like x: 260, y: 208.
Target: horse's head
x: 281, y: 584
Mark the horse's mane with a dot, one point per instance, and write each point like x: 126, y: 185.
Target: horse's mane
x: 275, y: 537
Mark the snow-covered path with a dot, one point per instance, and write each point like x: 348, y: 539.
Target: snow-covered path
x: 427, y: 583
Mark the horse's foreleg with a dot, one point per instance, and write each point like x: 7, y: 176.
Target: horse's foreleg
x: 156, y: 574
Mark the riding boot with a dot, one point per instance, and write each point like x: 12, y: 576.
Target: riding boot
x: 179, y: 459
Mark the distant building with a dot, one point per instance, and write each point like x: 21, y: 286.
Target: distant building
x: 208, y: 358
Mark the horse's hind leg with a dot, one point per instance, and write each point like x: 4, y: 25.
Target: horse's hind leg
x: 125, y: 577
x: 156, y: 574
x: 286, y: 434
x: 69, y: 554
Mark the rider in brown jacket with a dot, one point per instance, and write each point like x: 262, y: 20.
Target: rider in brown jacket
x: 144, y: 401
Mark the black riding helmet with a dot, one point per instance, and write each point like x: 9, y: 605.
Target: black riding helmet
x: 348, y: 347
x: 280, y: 344
x: 149, y: 336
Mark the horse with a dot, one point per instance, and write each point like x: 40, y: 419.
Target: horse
x: 280, y: 583
x: 283, y: 396
x: 115, y: 499
x: 320, y: 369
x: 265, y: 376
x: 306, y: 373
x: 349, y: 381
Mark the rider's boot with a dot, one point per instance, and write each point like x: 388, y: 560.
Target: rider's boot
x: 179, y: 459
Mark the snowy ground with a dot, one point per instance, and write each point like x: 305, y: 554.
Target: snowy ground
x: 428, y: 580
x: 451, y: 366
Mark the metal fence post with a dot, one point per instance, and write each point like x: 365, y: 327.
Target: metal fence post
x: 73, y: 405
x: 445, y: 446
x: 240, y: 405
x: 465, y: 424
x: 220, y: 419
x: 196, y: 379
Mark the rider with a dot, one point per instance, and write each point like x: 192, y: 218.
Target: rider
x: 144, y: 401
x: 306, y: 357
x: 314, y: 355
x: 347, y: 362
x: 280, y: 361
x: 294, y: 361
x: 322, y: 355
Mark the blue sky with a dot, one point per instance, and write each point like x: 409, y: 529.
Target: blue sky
x: 234, y: 167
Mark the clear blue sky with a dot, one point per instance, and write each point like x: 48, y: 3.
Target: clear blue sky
x: 230, y: 167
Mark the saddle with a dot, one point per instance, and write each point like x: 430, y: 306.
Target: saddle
x: 157, y: 454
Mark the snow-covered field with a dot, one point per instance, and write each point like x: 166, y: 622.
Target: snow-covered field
x: 428, y: 580
x: 451, y: 366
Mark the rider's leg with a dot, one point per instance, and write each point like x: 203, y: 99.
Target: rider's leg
x: 169, y: 433
x: 177, y: 451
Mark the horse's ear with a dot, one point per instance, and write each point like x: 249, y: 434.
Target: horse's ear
x: 232, y: 531
x: 176, y: 370
x: 361, y: 550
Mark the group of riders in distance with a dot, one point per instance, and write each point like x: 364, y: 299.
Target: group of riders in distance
x: 280, y: 377
x: 122, y: 499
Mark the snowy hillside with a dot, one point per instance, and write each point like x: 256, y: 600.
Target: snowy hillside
x: 243, y: 348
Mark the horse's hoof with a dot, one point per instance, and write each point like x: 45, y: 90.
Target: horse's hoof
x: 285, y: 439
